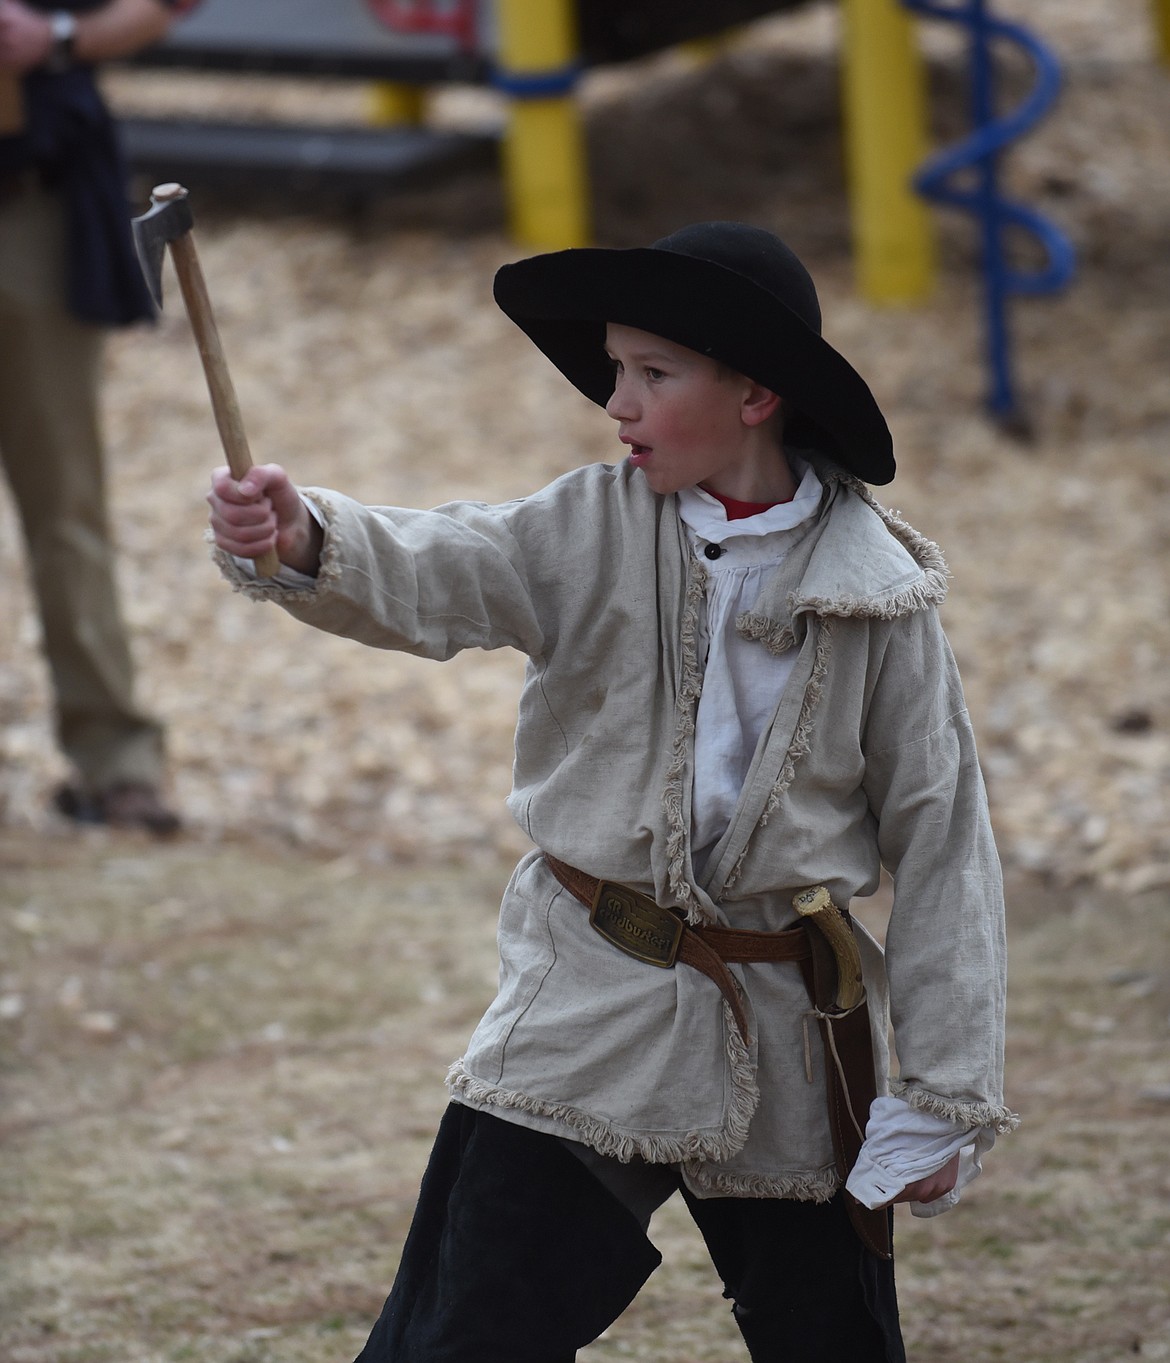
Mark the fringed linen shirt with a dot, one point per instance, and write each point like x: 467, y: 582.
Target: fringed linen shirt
x: 866, y: 760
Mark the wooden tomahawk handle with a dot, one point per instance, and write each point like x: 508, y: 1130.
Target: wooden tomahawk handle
x: 219, y: 381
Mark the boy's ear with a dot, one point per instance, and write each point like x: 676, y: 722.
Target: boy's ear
x: 758, y: 404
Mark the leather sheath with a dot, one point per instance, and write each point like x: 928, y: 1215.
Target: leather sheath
x: 851, y: 1084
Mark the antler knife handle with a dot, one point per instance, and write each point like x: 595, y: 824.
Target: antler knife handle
x: 818, y: 907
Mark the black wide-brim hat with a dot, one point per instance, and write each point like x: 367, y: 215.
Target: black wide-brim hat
x: 724, y: 289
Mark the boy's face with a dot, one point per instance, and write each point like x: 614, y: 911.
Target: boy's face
x: 683, y: 416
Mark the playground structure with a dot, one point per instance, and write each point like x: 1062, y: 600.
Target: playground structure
x: 976, y: 157
x: 534, y: 51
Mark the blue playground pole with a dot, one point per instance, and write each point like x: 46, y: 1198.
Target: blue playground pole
x: 977, y: 158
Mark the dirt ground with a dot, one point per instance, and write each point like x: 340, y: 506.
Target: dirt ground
x: 222, y: 1059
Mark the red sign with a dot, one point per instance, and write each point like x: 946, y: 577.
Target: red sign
x: 454, y: 18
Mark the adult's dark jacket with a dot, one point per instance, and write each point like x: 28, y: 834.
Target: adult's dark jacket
x: 70, y: 140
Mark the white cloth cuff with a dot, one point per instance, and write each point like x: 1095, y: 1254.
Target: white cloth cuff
x: 904, y: 1144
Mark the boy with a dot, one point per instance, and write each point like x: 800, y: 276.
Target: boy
x: 737, y: 691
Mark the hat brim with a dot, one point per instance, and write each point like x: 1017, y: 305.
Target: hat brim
x: 564, y: 299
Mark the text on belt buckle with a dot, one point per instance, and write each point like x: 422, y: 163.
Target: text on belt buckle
x: 635, y: 924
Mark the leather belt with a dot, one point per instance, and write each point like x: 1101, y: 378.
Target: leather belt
x: 637, y: 925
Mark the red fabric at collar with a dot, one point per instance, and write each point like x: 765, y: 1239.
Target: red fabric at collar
x: 739, y: 511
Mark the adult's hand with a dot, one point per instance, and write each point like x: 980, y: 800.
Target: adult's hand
x: 118, y: 28
x: 26, y: 36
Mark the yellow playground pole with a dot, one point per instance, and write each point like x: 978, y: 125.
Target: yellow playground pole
x: 394, y: 104
x: 544, y: 151
x: 1162, y: 26
x: 884, y: 91
x: 703, y: 50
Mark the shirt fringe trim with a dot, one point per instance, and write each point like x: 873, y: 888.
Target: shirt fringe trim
x: 690, y: 688
x: 929, y: 590
x: 777, y: 639
x: 1002, y: 1120
x: 819, y: 1186
x: 624, y: 1145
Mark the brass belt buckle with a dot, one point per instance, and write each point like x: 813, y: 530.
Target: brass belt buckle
x: 635, y: 924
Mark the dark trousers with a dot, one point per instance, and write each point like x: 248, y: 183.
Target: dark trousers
x: 518, y: 1254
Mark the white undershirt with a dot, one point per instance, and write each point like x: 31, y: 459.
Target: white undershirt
x: 742, y: 681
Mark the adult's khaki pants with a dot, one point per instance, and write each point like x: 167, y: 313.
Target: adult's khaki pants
x: 51, y: 447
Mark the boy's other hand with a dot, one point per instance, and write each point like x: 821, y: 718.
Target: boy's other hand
x: 933, y: 1186
x: 264, y: 511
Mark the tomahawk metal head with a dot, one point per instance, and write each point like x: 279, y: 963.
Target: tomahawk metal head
x: 167, y: 219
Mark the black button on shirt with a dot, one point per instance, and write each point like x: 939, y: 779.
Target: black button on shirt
x: 713, y: 551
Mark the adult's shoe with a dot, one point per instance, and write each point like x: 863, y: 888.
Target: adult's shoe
x: 127, y: 804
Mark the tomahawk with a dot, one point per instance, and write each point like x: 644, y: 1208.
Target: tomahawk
x: 168, y: 222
